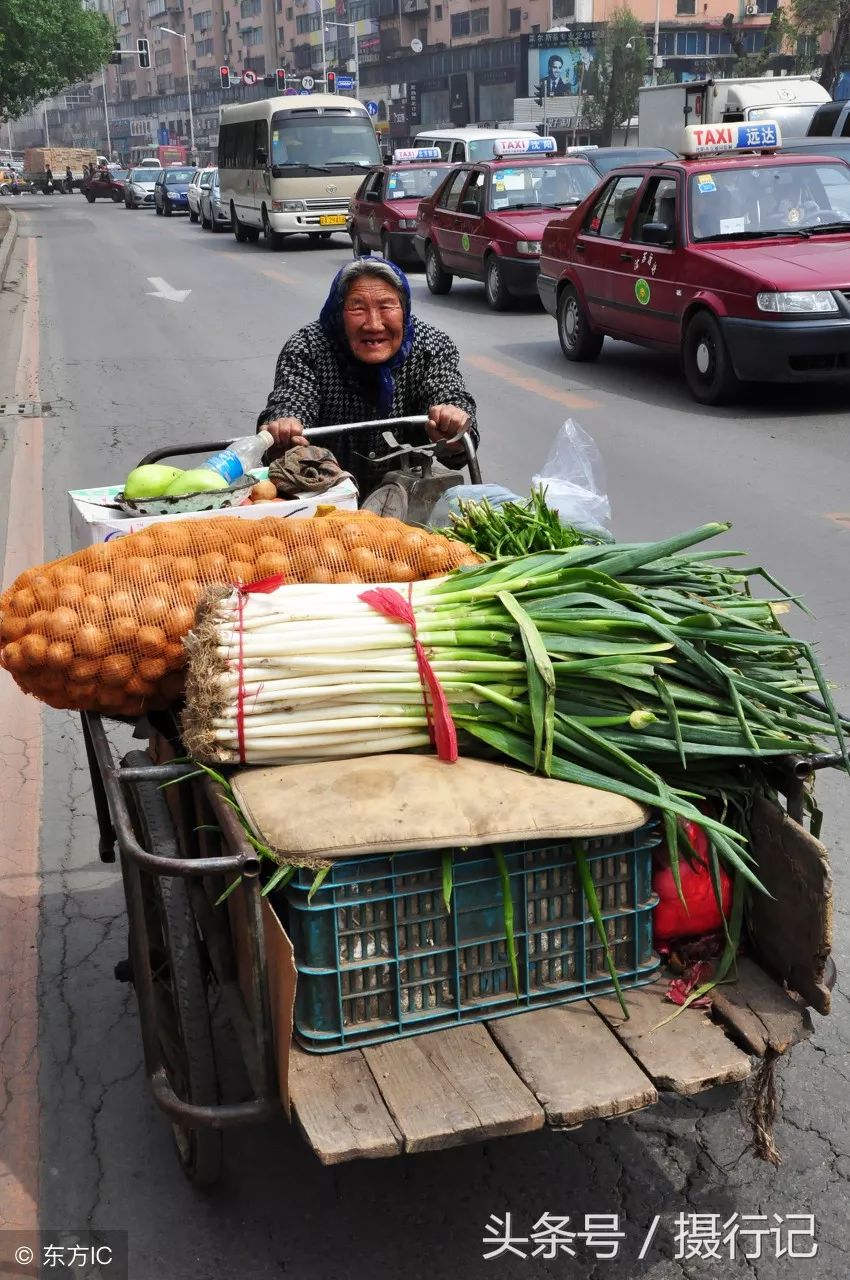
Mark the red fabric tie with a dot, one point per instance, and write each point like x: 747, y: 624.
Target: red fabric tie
x: 441, y: 729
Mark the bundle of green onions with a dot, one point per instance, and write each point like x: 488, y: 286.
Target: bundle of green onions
x: 512, y: 528
x: 632, y: 668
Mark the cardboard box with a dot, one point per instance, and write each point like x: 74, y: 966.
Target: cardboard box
x: 95, y: 517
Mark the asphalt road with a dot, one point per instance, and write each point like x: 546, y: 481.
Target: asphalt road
x: 125, y: 371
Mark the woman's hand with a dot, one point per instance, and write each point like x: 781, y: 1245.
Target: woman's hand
x: 286, y: 431
x: 445, y: 423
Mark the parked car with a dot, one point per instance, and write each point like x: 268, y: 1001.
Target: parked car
x: 170, y: 193
x: 740, y: 263
x: 485, y: 220
x: 832, y: 119
x: 139, y: 187
x: 604, y: 159
x: 201, y: 178
x: 215, y: 216
x: 101, y: 185
x: 383, y: 210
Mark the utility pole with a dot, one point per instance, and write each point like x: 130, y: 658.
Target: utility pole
x: 655, y: 43
x: 46, y: 127
x: 106, y: 114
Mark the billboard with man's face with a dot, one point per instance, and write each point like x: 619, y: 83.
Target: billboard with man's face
x: 559, y: 60
x: 559, y: 69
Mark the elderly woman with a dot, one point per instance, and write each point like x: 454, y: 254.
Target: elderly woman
x: 368, y: 357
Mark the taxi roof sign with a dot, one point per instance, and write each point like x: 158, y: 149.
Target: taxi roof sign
x: 755, y: 135
x: 524, y: 146
x: 416, y: 153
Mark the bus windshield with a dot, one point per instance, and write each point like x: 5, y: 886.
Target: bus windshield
x: 322, y: 144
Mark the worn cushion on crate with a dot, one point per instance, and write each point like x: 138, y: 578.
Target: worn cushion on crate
x: 343, y: 808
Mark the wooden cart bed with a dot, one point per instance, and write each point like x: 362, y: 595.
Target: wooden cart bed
x: 554, y: 1066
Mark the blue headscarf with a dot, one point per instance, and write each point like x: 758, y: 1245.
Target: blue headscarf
x: 331, y: 321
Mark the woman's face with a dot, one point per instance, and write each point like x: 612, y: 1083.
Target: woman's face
x: 373, y: 319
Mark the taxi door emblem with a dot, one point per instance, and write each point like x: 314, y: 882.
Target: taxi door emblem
x: 642, y: 291
x: 465, y: 243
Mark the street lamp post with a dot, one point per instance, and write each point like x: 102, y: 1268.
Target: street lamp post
x: 352, y: 26
x: 181, y: 36
x: 106, y: 114
x: 655, y: 43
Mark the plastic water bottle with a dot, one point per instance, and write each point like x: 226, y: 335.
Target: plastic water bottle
x: 242, y: 455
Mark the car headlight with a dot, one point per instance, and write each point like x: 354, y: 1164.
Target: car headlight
x: 528, y: 246
x: 288, y: 206
x: 407, y: 224
x: 802, y: 302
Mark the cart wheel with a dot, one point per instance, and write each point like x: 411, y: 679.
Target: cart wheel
x: 180, y: 981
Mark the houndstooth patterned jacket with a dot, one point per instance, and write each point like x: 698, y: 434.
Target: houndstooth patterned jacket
x: 311, y: 384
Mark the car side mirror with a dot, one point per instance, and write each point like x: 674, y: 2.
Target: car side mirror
x: 373, y: 196
x: 388, y: 157
x: 656, y: 233
x: 262, y: 155
x: 469, y: 206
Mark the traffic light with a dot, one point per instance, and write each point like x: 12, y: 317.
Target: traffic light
x: 539, y: 93
x: 330, y: 87
x: 224, y: 73
x: 144, y: 49
x: 280, y: 75
x: 115, y: 55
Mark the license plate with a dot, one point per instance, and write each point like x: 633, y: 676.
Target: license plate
x: 332, y: 220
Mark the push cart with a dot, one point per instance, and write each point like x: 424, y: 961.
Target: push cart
x: 472, y: 1062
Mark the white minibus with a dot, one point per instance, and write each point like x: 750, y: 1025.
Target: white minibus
x: 289, y: 165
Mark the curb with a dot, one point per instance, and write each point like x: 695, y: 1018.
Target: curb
x: 7, y: 245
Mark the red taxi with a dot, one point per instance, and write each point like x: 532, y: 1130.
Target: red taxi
x: 734, y: 255
x: 485, y: 221
x: 383, y: 212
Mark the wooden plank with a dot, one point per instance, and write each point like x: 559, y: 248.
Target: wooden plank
x: 451, y: 1087
x: 689, y: 1054
x: 338, y: 1107
x: 573, y: 1064
x: 791, y: 931
x: 759, y: 1014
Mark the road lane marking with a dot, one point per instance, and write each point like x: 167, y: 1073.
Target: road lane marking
x: 536, y: 386
x: 162, y: 289
x: 20, y: 805
x: 280, y: 276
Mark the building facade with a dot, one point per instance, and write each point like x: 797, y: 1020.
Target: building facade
x: 423, y: 63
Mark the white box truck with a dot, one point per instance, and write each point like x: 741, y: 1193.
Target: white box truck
x: 665, y: 109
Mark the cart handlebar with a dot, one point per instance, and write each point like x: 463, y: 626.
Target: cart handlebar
x: 318, y: 433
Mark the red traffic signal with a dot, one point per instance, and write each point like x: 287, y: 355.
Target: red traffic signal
x: 280, y: 75
x: 331, y: 82
x: 224, y: 73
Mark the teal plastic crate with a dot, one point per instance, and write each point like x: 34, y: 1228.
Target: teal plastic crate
x: 378, y: 956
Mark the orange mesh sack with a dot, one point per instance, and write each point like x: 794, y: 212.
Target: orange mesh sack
x: 102, y: 629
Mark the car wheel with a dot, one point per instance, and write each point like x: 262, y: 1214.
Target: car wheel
x: 437, y: 278
x: 385, y: 247
x: 578, y: 341
x: 158, y: 210
x: 498, y: 296
x: 273, y: 239
x: 215, y: 225
x: 167, y: 210
x: 253, y: 234
x: 705, y: 360
x: 358, y: 247
x: 193, y: 217
x: 116, y: 197
x: 90, y: 197
x: 240, y: 232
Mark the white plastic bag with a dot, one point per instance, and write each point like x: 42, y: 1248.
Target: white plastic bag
x: 449, y: 503
x: 574, y: 479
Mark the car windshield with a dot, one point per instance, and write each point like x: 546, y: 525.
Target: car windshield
x: 416, y: 182
x: 146, y: 175
x: 793, y: 120
x: 120, y: 173
x: 547, y: 186
x: 174, y: 176
x: 747, y: 203
x: 323, y: 144
x: 604, y: 160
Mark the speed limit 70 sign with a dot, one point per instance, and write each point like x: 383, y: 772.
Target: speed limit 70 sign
x: 307, y: 82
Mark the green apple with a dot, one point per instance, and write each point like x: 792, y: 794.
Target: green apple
x: 149, y: 482
x: 199, y: 480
